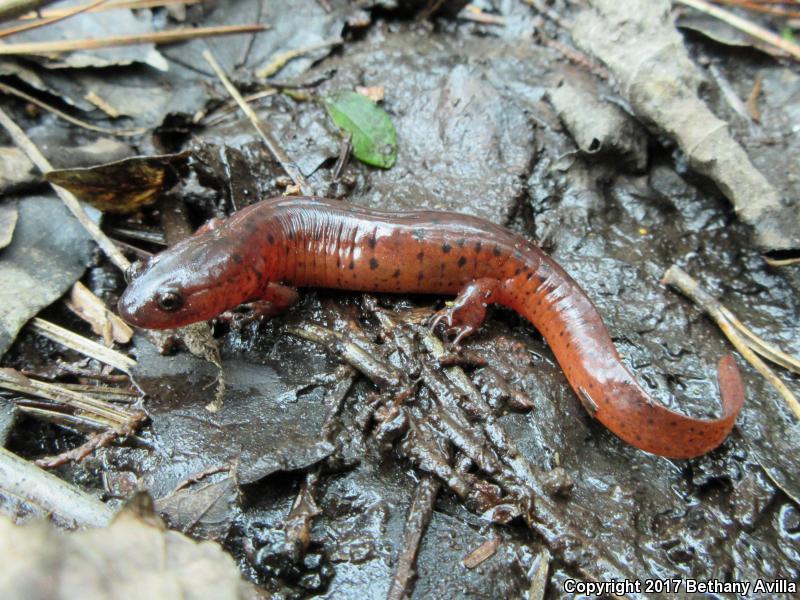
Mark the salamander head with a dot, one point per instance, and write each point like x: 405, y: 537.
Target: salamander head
x: 195, y: 280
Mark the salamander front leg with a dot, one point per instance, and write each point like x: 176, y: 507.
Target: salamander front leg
x: 276, y: 299
x: 468, y: 311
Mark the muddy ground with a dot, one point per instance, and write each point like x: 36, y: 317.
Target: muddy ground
x: 477, y: 133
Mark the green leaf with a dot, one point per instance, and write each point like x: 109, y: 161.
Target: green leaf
x: 373, y: 136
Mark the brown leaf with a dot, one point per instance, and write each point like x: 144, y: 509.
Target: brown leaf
x: 123, y: 186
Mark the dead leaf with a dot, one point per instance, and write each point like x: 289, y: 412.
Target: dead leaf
x: 8, y: 221
x: 16, y: 170
x: 206, y: 510
x: 48, y: 253
x: 123, y: 186
x: 131, y: 558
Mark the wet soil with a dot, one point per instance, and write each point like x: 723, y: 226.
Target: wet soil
x: 477, y: 134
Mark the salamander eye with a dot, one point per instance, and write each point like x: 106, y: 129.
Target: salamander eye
x: 169, y: 300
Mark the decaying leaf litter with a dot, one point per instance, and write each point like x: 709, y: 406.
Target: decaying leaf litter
x: 337, y: 489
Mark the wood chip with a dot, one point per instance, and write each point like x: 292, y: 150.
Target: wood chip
x: 91, y: 309
x: 482, y: 553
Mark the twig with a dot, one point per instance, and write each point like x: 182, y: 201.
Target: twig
x: 729, y: 93
x: 54, y: 496
x: 538, y: 575
x: 16, y: 382
x: 37, y: 158
x: 748, y: 344
x: 83, y: 345
x: 482, y: 553
x: 94, y: 442
x: 271, y: 143
x: 548, y: 12
x: 744, y: 25
x: 574, y: 55
x: 476, y: 15
x: 106, y: 392
x: 4, y: 87
x: 764, y: 7
x: 228, y: 107
x: 91, y: 309
x: 765, y: 349
x: 379, y: 372
x: 282, y: 58
x: 110, y: 5
x: 156, y: 37
x: 782, y: 262
x: 297, y: 527
x: 10, y: 9
x: 43, y: 22
x: 752, y: 98
x: 64, y: 419
x: 419, y: 517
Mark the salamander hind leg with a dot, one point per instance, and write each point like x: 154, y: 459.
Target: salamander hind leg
x: 468, y: 311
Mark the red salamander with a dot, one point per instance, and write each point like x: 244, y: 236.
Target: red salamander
x: 264, y: 250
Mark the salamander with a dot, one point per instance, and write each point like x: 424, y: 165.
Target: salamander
x: 264, y: 251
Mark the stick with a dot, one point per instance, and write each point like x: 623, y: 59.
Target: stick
x: 744, y: 25
x: 678, y: 278
x: 85, y: 346
x: 54, y: 496
x: 419, y: 517
x: 65, y: 15
x: 111, y: 5
x: 37, y: 158
x: 70, y: 119
x: 10, y: 9
x: 269, y: 141
x: 156, y: 37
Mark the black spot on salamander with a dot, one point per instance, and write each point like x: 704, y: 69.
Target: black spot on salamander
x: 290, y: 235
x: 237, y: 258
x: 371, y: 242
x: 270, y: 238
x: 478, y: 246
x: 518, y: 271
x: 338, y: 263
x: 530, y: 274
x: 446, y: 247
x: 373, y: 263
x: 497, y: 251
x: 460, y: 242
x: 396, y: 273
x: 420, y: 276
x: 352, y: 265
x: 462, y: 261
x: 420, y: 255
